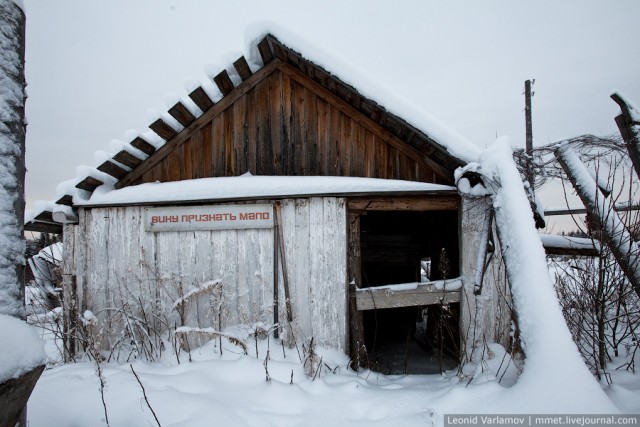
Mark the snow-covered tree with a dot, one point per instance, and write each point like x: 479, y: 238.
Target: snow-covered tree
x: 12, y: 165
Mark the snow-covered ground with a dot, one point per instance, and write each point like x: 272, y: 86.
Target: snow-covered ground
x: 232, y: 390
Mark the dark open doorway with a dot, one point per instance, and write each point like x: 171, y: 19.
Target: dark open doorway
x: 406, y: 247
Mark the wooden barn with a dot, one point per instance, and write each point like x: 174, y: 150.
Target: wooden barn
x: 291, y: 199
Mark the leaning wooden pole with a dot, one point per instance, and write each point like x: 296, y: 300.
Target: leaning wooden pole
x: 629, y: 125
x: 614, y: 233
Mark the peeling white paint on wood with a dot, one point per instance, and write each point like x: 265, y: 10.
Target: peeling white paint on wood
x: 122, y: 270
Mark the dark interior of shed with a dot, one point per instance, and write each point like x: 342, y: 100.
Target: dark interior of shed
x: 404, y: 247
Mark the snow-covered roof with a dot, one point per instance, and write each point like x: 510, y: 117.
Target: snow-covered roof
x: 420, y: 131
x: 255, y: 187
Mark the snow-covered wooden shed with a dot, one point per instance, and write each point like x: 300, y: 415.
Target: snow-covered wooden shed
x: 289, y: 182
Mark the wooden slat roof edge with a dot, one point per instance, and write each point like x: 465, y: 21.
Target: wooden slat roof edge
x: 412, y: 136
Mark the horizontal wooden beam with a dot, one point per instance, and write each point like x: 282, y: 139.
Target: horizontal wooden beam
x: 623, y: 207
x: 406, y: 295
x: 417, y: 203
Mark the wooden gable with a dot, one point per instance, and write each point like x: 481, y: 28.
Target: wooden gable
x: 292, y: 118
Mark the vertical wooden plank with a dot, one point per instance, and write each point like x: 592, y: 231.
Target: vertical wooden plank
x: 263, y: 146
x: 311, y: 134
x: 217, y: 147
x: 81, y: 256
x: 369, y: 155
x: 197, y: 155
x: 174, y: 166
x: 187, y: 166
x: 202, y: 263
x: 381, y: 158
x: 98, y: 295
x: 346, y: 143
x: 333, y: 157
x: 229, y: 149
x: 239, y: 131
x: 354, y: 265
x: 291, y: 128
x: 323, y: 137
x: 317, y: 266
x: 69, y: 304
x: 251, y: 132
x: 277, y: 124
x: 262, y: 290
x: 207, y: 151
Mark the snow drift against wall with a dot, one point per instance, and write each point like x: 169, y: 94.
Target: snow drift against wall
x: 553, y: 366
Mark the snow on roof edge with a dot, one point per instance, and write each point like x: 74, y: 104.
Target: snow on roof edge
x: 253, y: 187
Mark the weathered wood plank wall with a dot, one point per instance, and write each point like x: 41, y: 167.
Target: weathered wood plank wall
x: 286, y: 124
x: 119, y: 266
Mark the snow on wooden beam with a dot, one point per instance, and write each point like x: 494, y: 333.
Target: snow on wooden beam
x: 163, y: 130
x: 89, y: 184
x: 201, y: 99
x: 224, y: 83
x: 65, y: 217
x: 182, y: 114
x: 142, y: 145
x: 112, y: 169
x: 242, y: 67
x: 567, y: 245
x: 407, y: 295
x: 265, y: 51
x: 127, y: 159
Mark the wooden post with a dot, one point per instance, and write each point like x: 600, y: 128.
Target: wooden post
x: 356, y: 321
x: 614, y: 233
x: 276, y: 301
x: 285, y: 276
x: 628, y: 123
x: 478, y: 311
x: 529, y: 131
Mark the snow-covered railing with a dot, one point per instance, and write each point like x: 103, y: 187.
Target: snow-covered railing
x: 408, y: 294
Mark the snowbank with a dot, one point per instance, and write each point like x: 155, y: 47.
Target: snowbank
x: 553, y: 370
x: 22, y: 349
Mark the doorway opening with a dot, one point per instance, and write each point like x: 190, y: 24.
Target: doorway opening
x: 403, y: 247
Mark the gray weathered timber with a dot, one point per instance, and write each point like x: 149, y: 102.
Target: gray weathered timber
x: 387, y: 297
x: 484, y: 317
x: 124, y: 273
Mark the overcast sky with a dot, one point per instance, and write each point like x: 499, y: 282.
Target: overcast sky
x: 95, y: 68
